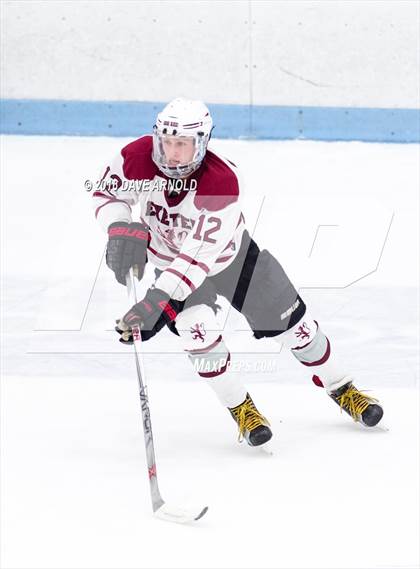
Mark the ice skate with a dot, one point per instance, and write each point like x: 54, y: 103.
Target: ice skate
x: 361, y: 407
x: 253, y: 427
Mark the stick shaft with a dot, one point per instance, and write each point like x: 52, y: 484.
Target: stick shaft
x: 157, y: 500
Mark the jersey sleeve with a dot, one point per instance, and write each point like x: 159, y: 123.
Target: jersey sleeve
x: 113, y: 196
x: 212, y: 232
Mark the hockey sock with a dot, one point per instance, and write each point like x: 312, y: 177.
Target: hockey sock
x: 312, y: 348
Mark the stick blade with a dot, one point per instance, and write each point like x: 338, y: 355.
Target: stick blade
x: 177, y: 515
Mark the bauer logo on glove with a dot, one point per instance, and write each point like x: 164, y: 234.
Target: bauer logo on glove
x: 127, y: 248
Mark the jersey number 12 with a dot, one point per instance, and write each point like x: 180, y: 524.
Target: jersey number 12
x: 215, y: 226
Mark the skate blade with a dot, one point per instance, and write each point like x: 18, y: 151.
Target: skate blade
x: 266, y: 448
x: 177, y: 515
x: 381, y: 427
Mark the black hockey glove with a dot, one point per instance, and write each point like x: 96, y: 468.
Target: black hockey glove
x: 127, y: 247
x: 150, y: 314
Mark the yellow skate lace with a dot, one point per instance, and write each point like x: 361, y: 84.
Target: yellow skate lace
x: 248, y: 418
x: 355, y: 401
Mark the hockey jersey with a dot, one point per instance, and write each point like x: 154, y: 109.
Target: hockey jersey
x: 194, y: 233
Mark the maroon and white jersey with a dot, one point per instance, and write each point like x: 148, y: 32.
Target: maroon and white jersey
x: 194, y: 233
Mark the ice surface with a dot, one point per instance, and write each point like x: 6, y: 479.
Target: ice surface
x: 343, y: 220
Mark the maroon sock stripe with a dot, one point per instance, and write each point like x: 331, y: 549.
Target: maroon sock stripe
x: 317, y: 381
x: 323, y: 359
x: 207, y: 349
x: 215, y: 373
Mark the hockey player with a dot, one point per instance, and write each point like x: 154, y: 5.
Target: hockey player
x: 191, y: 228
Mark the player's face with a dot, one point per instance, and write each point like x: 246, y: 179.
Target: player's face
x: 178, y: 150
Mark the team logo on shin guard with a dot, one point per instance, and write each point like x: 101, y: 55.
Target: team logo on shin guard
x: 303, y: 332
x: 198, y: 332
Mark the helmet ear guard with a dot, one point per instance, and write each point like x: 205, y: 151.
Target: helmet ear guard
x: 202, y: 133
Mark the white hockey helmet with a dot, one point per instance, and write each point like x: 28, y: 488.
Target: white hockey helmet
x: 182, y: 118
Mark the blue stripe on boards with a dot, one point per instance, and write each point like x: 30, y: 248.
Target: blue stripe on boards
x: 131, y: 119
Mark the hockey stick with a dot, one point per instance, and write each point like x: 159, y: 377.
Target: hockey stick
x: 162, y: 510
